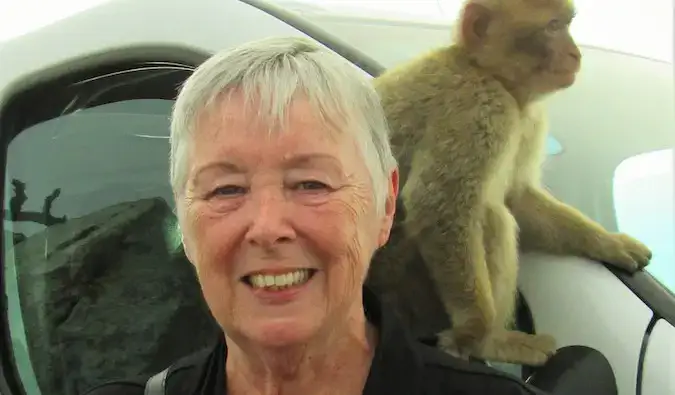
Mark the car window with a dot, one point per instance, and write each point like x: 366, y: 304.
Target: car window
x: 93, y: 258
x: 643, y: 198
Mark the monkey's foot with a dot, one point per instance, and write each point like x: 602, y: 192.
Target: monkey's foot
x: 518, y: 348
x: 458, y: 346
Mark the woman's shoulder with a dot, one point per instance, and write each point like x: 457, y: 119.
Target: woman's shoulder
x: 446, y: 374
x: 182, y: 376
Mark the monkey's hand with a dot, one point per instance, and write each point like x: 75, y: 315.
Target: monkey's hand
x: 622, y: 251
x: 549, y: 225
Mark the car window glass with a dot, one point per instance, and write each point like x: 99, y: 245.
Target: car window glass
x: 643, y: 199
x: 97, y: 286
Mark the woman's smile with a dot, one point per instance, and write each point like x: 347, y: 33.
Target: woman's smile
x: 280, y: 286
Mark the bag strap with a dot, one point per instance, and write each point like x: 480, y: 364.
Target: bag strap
x: 156, y: 385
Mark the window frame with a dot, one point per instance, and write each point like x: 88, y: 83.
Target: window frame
x: 76, y: 90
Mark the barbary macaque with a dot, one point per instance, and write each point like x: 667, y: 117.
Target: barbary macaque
x: 468, y: 127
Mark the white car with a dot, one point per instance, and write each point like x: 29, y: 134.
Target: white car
x: 95, y: 288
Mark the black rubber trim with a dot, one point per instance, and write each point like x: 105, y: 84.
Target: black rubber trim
x: 643, y: 352
x: 10, y: 381
x: 358, y: 58
x: 650, y: 291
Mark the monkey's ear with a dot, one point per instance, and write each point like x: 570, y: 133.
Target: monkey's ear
x: 474, y: 23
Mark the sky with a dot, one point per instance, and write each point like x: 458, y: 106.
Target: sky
x: 643, y: 27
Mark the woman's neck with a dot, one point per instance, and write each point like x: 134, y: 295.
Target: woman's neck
x: 336, y: 362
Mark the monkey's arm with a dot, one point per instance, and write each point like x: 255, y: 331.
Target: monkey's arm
x: 551, y: 226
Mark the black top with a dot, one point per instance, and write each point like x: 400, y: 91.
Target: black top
x: 400, y: 365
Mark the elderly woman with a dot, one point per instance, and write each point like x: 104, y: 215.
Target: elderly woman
x: 285, y: 186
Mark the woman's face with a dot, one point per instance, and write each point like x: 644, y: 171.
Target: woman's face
x: 281, y: 226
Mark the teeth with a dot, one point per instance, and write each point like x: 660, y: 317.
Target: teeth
x: 281, y: 281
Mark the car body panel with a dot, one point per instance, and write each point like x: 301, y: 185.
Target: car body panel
x: 607, y: 315
x: 225, y: 24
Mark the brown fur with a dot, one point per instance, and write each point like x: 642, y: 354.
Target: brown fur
x: 469, y: 129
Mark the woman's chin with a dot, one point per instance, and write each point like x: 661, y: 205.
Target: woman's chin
x: 282, y: 332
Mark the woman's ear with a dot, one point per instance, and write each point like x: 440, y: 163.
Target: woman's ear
x: 186, y: 249
x: 389, y: 208
x: 181, y: 235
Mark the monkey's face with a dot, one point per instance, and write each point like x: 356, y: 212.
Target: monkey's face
x: 545, y: 58
x: 280, y: 224
x: 525, y: 43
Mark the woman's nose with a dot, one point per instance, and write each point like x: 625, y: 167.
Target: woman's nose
x: 269, y: 223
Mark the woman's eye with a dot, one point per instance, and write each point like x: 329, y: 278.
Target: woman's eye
x: 311, y: 185
x: 228, y: 190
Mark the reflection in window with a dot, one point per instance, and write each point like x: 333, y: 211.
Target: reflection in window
x: 97, y: 285
x: 553, y: 146
x: 643, y: 198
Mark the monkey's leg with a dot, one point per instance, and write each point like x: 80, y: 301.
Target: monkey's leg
x: 451, y: 245
x: 501, y: 255
x: 444, y: 196
x: 463, y: 284
x: 550, y: 226
x: 501, y: 246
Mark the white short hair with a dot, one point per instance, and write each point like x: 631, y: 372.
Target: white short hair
x: 274, y: 70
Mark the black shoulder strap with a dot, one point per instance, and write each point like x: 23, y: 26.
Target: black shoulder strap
x: 156, y: 385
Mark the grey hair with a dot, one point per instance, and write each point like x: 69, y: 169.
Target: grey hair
x: 274, y: 70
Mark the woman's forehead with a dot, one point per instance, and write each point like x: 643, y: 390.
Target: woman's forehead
x: 230, y: 128
x: 235, y: 120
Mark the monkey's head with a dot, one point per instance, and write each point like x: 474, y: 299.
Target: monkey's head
x: 526, y: 44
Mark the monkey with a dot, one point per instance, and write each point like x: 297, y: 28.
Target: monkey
x: 468, y: 126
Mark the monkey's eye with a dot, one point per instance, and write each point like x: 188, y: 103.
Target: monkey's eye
x: 555, y: 26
